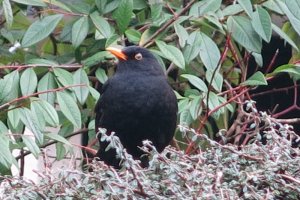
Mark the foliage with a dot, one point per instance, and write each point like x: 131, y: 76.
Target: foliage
x: 254, y: 171
x: 53, y: 57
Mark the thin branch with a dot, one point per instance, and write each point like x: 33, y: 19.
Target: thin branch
x: 37, y: 93
x: 54, y: 142
x: 167, y: 24
x: 75, y: 66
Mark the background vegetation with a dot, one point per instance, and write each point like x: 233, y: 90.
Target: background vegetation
x: 53, y: 61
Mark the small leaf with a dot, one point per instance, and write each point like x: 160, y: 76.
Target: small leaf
x: 69, y: 108
x: 217, y: 82
x: 133, y: 35
x: 28, y: 82
x: 284, y: 36
x: 13, y: 116
x: 181, y: 33
x: 209, y: 52
x: 242, y: 31
x: 257, y: 78
x: 63, y: 76
x: 123, y: 14
x: 7, y: 12
x: 101, y: 75
x: 201, y: 8
x: 48, y: 112
x: 58, y: 138
x: 42, y: 62
x: 171, y: 53
x: 40, y: 29
x: 31, y: 2
x: 261, y: 23
x: 31, y: 145
x: 82, y: 92
x: 247, y: 6
x: 195, y: 81
x: 192, y: 49
x: 96, y: 58
x: 185, y: 118
x: 30, y: 122
x: 101, y: 25
x: 79, y: 31
x: 46, y: 83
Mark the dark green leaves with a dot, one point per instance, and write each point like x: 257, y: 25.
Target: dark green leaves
x: 40, y: 29
x: 123, y: 14
x: 101, y: 25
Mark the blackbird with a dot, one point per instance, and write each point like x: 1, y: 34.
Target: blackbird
x: 136, y: 103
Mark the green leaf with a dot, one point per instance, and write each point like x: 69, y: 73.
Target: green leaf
x: 261, y: 23
x: 185, y: 118
x: 57, y: 138
x: 195, y: 81
x: 63, y: 76
x: 96, y: 58
x: 247, y: 6
x: 46, y: 83
x: 69, y: 108
x: 31, y: 2
x: 293, y: 70
x: 79, y: 31
x: 192, y: 49
x: 101, y: 25
x: 217, y: 82
x: 80, y: 77
x: 8, y: 12
x: 38, y: 112
x: 290, y: 8
x: 6, y: 157
x: 257, y: 78
x: 123, y: 14
x: 101, y: 75
x: 31, y: 145
x: 171, y: 53
x: 3, y: 129
x: 201, y: 8
x: 42, y: 62
x: 273, y: 6
x: 214, y: 102
x: 13, y: 116
x: 48, y: 112
x: 242, y: 31
x: 95, y: 94
x: 30, y: 122
x: 40, y: 29
x: 9, y: 87
x: 181, y: 33
x: 133, y: 35
x: 28, y: 82
x: 195, y: 107
x: 209, y: 52
x: 284, y: 36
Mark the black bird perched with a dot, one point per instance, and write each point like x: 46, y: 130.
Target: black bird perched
x: 137, y: 103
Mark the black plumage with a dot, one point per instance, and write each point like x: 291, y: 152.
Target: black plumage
x: 137, y: 103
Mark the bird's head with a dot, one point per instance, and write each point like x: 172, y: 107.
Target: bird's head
x: 137, y: 59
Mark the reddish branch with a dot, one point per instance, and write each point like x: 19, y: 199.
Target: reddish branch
x: 37, y: 93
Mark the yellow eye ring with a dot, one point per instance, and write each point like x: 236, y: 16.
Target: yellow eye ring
x: 138, y: 56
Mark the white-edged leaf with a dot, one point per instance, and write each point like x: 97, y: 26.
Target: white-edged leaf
x: 40, y: 29
x: 195, y: 81
x: 69, y: 108
x: 171, y: 53
x: 31, y: 145
x: 82, y: 92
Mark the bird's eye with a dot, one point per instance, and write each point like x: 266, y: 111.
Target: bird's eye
x: 138, y: 56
